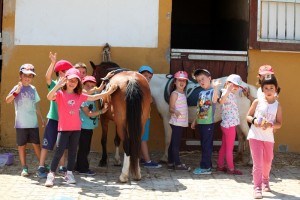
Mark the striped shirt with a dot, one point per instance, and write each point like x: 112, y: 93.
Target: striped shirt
x: 181, y: 106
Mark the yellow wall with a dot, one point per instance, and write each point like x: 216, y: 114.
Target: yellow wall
x: 286, y: 67
x: 133, y: 58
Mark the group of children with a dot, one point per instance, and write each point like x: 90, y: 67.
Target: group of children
x: 72, y: 99
x: 265, y: 116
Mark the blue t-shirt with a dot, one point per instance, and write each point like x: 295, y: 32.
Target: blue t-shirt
x: 205, y: 107
x: 88, y: 122
x: 25, y: 107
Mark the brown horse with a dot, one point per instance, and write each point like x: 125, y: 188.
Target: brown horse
x: 100, y: 71
x: 129, y: 109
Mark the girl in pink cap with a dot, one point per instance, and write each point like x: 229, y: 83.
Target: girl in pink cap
x: 69, y: 100
x: 179, y: 119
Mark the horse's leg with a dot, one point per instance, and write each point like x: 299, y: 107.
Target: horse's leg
x: 241, y: 138
x: 168, y: 133
x: 104, y: 124
x: 117, y: 142
x: 125, y: 170
x: 245, y: 129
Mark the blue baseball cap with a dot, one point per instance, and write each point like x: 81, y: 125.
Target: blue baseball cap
x: 145, y: 68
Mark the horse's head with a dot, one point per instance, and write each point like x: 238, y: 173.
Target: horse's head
x: 100, y: 71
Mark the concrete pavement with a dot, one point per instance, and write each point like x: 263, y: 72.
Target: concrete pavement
x: 155, y: 184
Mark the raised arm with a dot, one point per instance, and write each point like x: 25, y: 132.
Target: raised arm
x: 50, y: 70
x: 11, y: 96
x: 215, y: 84
x: 52, y: 94
x: 104, y: 94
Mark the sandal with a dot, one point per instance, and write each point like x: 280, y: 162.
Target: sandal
x: 182, y: 167
x: 221, y: 169
x: 234, y: 172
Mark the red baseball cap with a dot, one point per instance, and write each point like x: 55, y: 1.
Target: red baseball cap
x: 89, y: 78
x: 62, y: 65
x: 265, y: 69
x: 73, y: 73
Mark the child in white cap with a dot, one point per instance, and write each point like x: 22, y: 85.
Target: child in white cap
x: 230, y: 119
x: 26, y: 101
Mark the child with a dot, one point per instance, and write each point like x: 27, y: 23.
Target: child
x: 50, y: 134
x: 179, y: 119
x: 82, y: 69
x: 89, y: 118
x: 265, y: 114
x: 204, y: 123
x: 69, y: 100
x: 147, y: 72
x: 262, y: 72
x: 26, y: 101
x: 230, y: 119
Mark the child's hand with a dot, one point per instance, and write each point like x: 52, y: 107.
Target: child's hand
x: 193, y: 125
x: 109, y: 74
x: 19, y: 88
x: 43, y: 122
x: 177, y: 114
x: 62, y: 81
x: 246, y: 92
x: 216, y: 83
x: 52, y: 57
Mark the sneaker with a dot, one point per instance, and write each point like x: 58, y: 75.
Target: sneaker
x: 50, y: 179
x: 47, y: 168
x: 182, y: 167
x: 152, y: 164
x: 142, y: 161
x: 234, y: 172
x: 69, y: 178
x: 24, y: 171
x: 88, y: 173
x: 221, y: 169
x: 201, y: 171
x: 257, y: 193
x: 171, y: 167
x: 62, y: 170
x: 266, y: 187
x: 42, y: 172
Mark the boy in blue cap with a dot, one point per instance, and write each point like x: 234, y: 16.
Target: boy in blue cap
x: 147, y: 72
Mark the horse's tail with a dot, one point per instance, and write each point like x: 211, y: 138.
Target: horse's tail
x: 134, y: 98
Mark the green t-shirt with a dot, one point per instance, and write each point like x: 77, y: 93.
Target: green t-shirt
x: 52, y: 114
x: 205, y: 107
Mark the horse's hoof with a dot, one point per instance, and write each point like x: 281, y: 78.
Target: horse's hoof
x: 118, y: 163
x: 123, y: 178
x: 138, y: 177
x: 102, y: 163
x: 164, y: 159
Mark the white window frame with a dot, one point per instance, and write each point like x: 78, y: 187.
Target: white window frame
x: 264, y: 35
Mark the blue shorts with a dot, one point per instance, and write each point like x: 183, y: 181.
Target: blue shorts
x: 27, y: 135
x: 145, y: 136
x: 50, y: 134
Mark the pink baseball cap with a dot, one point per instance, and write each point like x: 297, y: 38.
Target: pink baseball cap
x: 73, y: 73
x: 181, y: 75
x: 89, y: 78
x: 265, y: 69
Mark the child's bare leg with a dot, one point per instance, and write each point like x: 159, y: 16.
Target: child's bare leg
x: 145, y: 153
x: 22, y: 154
x: 44, y: 153
x: 37, y: 151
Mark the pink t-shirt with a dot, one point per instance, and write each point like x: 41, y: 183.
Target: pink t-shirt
x: 68, y: 106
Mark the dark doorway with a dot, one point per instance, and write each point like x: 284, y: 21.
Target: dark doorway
x: 210, y: 24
